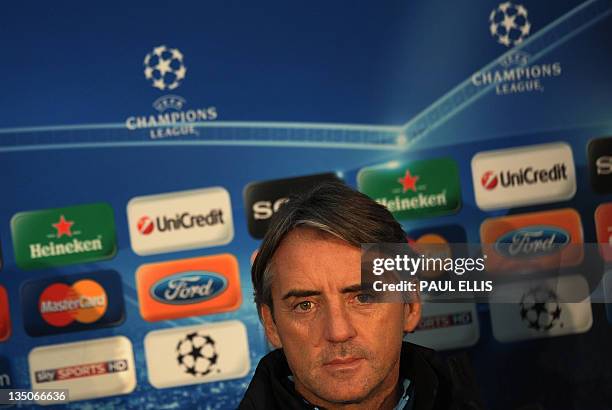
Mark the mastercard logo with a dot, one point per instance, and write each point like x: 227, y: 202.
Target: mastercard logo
x: 5, y: 317
x: 85, y: 301
x: 431, y: 245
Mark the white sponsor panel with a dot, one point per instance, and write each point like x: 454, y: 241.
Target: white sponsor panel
x: 180, y: 220
x: 91, y: 369
x: 197, y: 354
x: 447, y: 326
x: 540, y: 313
x: 531, y: 175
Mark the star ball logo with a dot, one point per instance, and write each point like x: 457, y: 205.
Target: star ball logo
x: 540, y: 309
x: 164, y: 67
x: 62, y: 236
x: 512, y: 73
x: 508, y: 24
x: 196, y: 354
x: 181, y: 356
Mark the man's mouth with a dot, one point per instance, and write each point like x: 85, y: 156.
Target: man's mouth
x: 344, y: 362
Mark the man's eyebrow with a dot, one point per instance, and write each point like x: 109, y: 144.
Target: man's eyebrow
x: 353, y: 288
x: 300, y: 293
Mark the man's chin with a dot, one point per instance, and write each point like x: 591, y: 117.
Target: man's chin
x: 344, y: 384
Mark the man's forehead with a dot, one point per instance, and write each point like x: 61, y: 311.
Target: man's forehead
x: 310, y: 257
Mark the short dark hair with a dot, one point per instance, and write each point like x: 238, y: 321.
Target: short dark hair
x: 332, y: 207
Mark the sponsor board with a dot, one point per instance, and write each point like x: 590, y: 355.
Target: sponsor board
x: 63, y: 236
x: 5, y: 315
x: 262, y: 199
x: 600, y: 165
x: 533, y: 241
x: 180, y: 220
x: 415, y: 189
x: 205, y: 353
x: 90, y: 369
x: 71, y: 303
x: 445, y: 326
x: 188, y: 287
x: 522, y: 176
x: 541, y: 312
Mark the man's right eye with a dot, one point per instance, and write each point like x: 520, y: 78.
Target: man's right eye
x: 304, y: 306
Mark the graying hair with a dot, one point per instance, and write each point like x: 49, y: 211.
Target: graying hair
x: 332, y: 207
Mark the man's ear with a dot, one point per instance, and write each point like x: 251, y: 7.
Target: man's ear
x: 270, y: 326
x: 412, y: 316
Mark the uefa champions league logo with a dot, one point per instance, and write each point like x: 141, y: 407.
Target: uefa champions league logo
x: 196, y: 354
x: 165, y: 68
x: 540, y: 309
x: 508, y: 23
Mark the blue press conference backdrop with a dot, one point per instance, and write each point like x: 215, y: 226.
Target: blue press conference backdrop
x: 259, y: 92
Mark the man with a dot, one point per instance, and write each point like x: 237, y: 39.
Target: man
x: 336, y: 347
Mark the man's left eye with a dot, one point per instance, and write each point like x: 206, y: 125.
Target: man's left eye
x: 365, y: 298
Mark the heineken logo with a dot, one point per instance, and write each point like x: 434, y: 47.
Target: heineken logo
x: 63, y: 227
x: 414, y: 189
x: 408, y: 182
x: 63, y: 236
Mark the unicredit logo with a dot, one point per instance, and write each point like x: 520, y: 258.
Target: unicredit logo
x: 179, y: 221
x: 524, y: 176
x: 145, y: 225
x: 489, y: 180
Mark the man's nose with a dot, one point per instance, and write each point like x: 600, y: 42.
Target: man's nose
x: 339, y: 324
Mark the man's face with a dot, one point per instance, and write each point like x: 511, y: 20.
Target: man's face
x: 340, y: 346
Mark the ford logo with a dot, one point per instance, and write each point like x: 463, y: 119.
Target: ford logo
x: 188, y: 287
x: 532, y: 241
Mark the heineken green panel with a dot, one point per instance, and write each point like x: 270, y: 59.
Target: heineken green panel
x: 414, y: 189
x: 63, y: 236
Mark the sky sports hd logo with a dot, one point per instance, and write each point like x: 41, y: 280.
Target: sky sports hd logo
x: 523, y: 176
x: 445, y: 326
x: 263, y: 199
x: 89, y: 369
x: 600, y: 165
x: 180, y: 221
x: 71, y: 303
x: 415, y: 189
x: 63, y: 236
x: 188, y: 287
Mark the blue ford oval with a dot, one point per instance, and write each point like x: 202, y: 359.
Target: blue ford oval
x: 188, y: 287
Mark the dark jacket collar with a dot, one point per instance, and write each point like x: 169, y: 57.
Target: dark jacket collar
x: 271, y: 388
